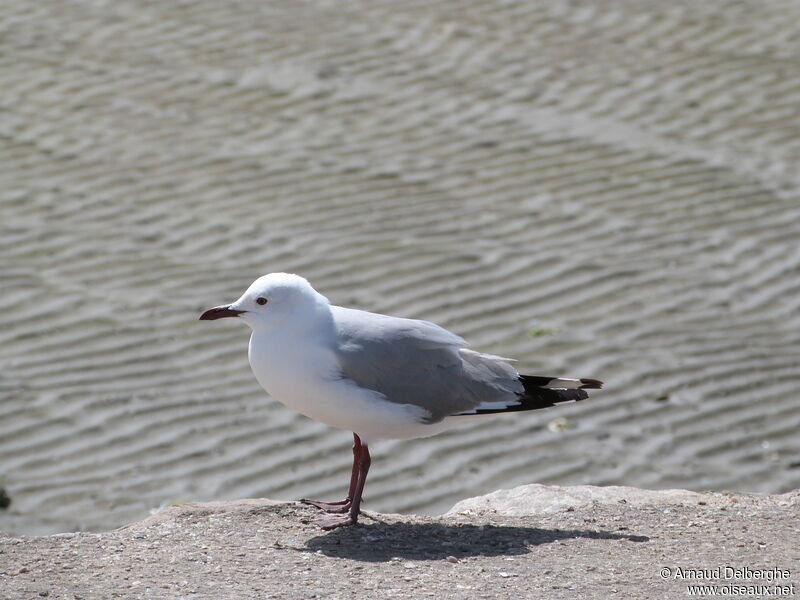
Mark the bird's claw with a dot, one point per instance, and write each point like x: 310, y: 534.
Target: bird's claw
x: 341, y: 506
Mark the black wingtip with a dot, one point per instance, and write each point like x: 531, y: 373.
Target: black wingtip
x: 591, y: 384
x: 537, y: 395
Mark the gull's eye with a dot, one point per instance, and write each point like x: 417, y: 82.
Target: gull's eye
x: 262, y: 301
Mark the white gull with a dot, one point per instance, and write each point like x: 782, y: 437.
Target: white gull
x: 380, y: 377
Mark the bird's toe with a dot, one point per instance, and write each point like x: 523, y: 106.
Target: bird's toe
x: 340, y: 506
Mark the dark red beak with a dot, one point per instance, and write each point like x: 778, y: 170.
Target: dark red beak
x: 220, y: 312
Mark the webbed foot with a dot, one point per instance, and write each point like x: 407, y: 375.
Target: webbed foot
x: 341, y: 506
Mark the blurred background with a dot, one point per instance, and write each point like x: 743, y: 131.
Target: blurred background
x: 598, y: 189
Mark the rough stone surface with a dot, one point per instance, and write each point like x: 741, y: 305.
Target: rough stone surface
x: 536, y: 499
x: 547, y: 542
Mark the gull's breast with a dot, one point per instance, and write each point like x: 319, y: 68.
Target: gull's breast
x: 307, y: 378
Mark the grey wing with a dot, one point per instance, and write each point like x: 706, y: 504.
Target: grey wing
x: 420, y: 363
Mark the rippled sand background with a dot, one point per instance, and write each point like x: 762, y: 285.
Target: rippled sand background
x: 599, y: 189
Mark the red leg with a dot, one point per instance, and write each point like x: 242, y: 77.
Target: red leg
x: 342, y: 505
x: 330, y: 521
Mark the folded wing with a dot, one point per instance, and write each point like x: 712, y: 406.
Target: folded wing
x: 419, y: 363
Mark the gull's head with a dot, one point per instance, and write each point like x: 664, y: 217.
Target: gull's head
x: 273, y: 301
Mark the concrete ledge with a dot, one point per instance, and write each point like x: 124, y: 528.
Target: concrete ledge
x: 532, y: 541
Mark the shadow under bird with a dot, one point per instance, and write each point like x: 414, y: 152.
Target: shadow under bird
x: 378, y: 376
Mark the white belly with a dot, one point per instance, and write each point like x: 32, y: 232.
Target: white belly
x: 307, y: 378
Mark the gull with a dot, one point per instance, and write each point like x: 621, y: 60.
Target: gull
x: 379, y: 377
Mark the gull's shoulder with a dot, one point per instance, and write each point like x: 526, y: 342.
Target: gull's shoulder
x: 360, y: 326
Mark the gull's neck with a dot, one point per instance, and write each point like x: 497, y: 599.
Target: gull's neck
x: 290, y: 359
